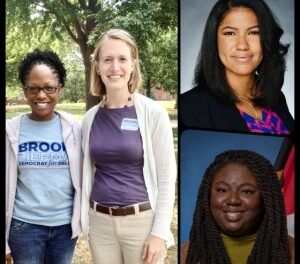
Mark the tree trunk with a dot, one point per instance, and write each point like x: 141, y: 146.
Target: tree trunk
x: 90, y: 100
x: 148, y: 87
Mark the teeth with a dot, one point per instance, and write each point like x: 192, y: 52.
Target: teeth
x: 42, y: 104
x: 232, y: 214
x: 115, y: 77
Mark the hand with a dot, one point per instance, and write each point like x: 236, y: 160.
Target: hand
x: 8, y: 258
x: 154, y: 250
x: 291, y: 250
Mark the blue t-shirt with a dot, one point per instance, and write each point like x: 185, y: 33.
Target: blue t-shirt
x: 44, y: 188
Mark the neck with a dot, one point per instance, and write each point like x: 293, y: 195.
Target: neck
x: 118, y: 99
x: 242, y: 86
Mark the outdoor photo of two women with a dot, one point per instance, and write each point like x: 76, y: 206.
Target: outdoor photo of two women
x: 150, y: 132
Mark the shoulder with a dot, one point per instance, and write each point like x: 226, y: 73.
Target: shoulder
x: 197, y: 98
x: 281, y: 98
x: 147, y: 101
x: 197, y: 107
x: 196, y: 91
x: 90, y: 113
x: 282, y: 109
x: 14, y: 119
x: 69, y: 118
x: 12, y: 123
x: 151, y: 106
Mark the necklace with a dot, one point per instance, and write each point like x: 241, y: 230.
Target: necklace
x: 256, y: 116
x: 106, y: 103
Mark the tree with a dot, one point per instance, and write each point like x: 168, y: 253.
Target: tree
x: 84, y: 20
x: 154, y: 25
x: 17, y: 47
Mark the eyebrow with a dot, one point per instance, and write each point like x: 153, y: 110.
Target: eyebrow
x: 241, y: 185
x: 34, y: 83
x: 234, y: 28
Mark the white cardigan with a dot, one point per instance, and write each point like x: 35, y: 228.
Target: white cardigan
x: 71, y: 133
x: 159, y: 164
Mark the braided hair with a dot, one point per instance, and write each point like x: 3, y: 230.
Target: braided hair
x: 271, y: 245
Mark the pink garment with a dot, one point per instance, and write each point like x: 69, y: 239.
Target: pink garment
x: 270, y: 123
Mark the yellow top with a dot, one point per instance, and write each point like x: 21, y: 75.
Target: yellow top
x: 238, y: 248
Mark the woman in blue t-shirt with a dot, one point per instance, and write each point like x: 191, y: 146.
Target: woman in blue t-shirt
x: 43, y: 169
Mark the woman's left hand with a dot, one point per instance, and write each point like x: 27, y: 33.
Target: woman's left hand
x: 154, y: 250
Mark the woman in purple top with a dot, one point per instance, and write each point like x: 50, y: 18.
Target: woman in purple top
x: 129, y: 162
x: 239, y: 72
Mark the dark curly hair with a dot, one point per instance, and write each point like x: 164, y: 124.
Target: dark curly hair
x: 48, y: 58
x: 271, y: 245
x: 210, y: 71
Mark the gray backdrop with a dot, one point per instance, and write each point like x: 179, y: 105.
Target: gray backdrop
x: 193, y: 16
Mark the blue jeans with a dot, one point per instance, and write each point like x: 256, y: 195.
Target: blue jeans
x: 37, y: 244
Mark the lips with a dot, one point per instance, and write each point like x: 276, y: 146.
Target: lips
x: 242, y: 58
x: 233, y: 216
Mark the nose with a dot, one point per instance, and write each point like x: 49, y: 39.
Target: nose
x: 115, y: 65
x: 41, y: 94
x: 242, y: 43
x: 233, y: 199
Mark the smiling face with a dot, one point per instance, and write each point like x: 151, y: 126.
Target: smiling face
x: 235, y: 200
x: 42, y: 104
x: 115, y: 64
x: 239, y: 44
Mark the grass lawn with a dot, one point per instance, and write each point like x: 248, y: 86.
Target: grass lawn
x: 82, y: 253
x: 78, y: 109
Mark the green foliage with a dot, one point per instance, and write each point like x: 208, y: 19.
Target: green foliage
x: 74, y: 91
x: 61, y: 24
x: 154, y: 26
x: 14, y: 93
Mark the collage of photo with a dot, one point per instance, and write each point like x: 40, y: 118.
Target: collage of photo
x: 150, y: 132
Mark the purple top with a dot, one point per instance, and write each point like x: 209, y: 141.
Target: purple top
x: 270, y: 123
x: 117, y: 150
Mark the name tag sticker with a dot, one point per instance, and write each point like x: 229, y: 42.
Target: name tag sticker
x: 129, y: 124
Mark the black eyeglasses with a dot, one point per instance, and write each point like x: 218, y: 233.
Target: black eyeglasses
x: 36, y: 90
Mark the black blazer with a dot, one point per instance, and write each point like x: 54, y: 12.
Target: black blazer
x: 200, y: 109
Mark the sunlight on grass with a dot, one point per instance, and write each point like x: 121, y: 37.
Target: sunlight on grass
x: 78, y: 109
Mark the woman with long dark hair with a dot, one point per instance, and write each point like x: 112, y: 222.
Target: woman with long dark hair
x: 239, y: 216
x: 239, y: 72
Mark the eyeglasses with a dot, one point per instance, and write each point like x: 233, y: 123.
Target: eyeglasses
x: 36, y: 90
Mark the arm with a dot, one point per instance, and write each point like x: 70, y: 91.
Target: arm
x: 8, y: 258
x: 291, y: 250
x: 165, y: 166
x: 8, y: 150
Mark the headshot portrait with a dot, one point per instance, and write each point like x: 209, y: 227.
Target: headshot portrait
x: 204, y: 155
x: 229, y: 50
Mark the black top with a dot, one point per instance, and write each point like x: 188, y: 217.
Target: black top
x: 200, y: 109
